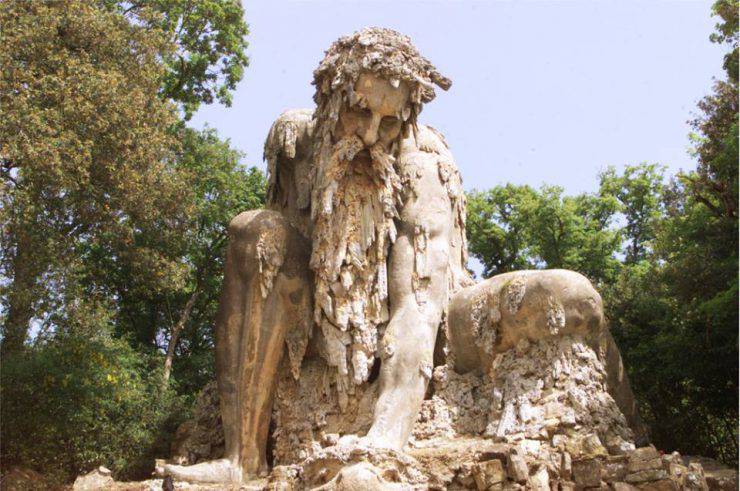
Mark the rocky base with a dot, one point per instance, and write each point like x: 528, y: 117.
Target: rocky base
x: 541, y: 418
x: 469, y: 463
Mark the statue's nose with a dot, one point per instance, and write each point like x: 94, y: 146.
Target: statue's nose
x: 370, y: 137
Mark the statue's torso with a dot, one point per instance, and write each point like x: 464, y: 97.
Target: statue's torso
x: 432, y: 195
x: 431, y: 180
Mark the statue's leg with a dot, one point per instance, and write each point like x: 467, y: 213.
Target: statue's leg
x: 407, y: 347
x: 405, y: 372
x: 266, y: 291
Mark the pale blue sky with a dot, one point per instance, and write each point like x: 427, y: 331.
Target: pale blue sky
x: 543, y: 92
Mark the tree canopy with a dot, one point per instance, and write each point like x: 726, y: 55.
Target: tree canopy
x: 113, y: 216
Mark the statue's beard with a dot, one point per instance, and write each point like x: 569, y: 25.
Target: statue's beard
x: 354, y: 203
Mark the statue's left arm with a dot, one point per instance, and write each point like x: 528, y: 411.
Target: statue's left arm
x: 419, y: 282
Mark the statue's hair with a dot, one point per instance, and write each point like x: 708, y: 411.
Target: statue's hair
x: 380, y: 51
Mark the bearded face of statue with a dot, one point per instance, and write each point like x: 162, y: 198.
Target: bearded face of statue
x: 378, y: 111
x: 354, y: 202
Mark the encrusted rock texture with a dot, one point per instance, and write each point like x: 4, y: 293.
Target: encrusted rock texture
x: 540, y: 419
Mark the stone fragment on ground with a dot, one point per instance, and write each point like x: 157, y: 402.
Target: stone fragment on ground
x: 99, y: 478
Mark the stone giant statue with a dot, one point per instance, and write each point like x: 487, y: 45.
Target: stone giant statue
x: 341, y: 298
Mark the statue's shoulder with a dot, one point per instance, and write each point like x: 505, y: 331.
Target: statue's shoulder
x: 429, y: 145
x: 429, y: 139
x: 291, y: 129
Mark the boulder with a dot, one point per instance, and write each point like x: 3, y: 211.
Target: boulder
x: 517, y: 468
x: 587, y: 473
x: 99, y: 478
x: 540, y: 480
x: 489, y: 473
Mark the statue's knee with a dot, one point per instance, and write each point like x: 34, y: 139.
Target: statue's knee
x: 249, y: 225
x: 263, y: 242
x: 258, y: 239
x: 406, y: 361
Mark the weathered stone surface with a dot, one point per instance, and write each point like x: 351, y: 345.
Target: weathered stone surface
x: 566, y: 466
x: 694, y: 478
x: 644, y: 465
x: 540, y: 480
x: 623, y: 486
x: 359, y: 477
x: 662, y: 485
x: 202, y: 437
x: 671, y: 458
x: 614, y: 468
x: 513, y: 486
x: 587, y: 473
x: 643, y: 476
x: 717, y: 475
x: 517, y: 468
x: 514, y: 403
x: 644, y: 453
x: 488, y: 474
x: 97, y: 479
x: 566, y: 486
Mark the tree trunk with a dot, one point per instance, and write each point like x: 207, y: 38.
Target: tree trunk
x: 20, y: 298
x: 175, y: 335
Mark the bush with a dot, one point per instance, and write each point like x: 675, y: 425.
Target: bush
x: 75, y: 402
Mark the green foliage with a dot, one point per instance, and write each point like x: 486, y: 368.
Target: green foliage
x: 727, y: 32
x: 516, y: 227
x: 497, y: 228
x: 210, y: 40
x: 81, y: 400
x: 223, y: 188
x: 639, y: 193
x: 114, y: 216
x: 220, y: 188
x: 85, y: 139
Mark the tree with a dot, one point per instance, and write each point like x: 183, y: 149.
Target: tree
x: 574, y: 233
x: 187, y: 52
x: 82, y: 400
x: 674, y: 308
x: 210, y: 40
x: 639, y: 193
x: 516, y: 227
x: 114, y: 216
x: 85, y: 139
x: 222, y: 188
x: 497, y: 228
x: 727, y: 33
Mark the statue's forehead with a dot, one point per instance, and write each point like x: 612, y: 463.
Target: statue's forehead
x: 382, y: 94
